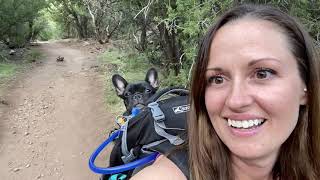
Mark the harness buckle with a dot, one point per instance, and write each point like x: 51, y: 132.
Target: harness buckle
x: 157, y: 113
x: 129, y: 157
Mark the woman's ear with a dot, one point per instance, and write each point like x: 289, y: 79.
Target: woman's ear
x: 304, y: 97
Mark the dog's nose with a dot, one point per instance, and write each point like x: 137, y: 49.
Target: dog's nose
x: 137, y: 97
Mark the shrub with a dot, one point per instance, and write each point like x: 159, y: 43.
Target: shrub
x: 33, y: 56
x: 6, y: 71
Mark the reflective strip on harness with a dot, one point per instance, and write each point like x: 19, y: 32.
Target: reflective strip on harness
x: 127, y: 156
x: 124, y: 147
x: 159, y: 125
x: 146, y: 148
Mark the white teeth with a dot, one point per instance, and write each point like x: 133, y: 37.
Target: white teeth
x: 245, y: 123
x: 251, y: 123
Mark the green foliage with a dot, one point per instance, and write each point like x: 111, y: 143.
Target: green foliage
x: 33, y: 56
x: 114, y: 57
x: 185, y: 21
x: 3, y: 57
x: 165, y: 33
x: 308, y: 13
x: 44, y: 28
x: 16, y: 20
x: 188, y: 20
x: 173, y: 80
x: 125, y: 62
x: 6, y: 71
x: 192, y: 20
x: 72, y: 17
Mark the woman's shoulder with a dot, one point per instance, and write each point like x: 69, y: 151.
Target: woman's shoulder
x: 162, y: 168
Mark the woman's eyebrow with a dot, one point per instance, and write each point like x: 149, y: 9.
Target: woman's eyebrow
x: 251, y: 63
x: 255, y: 61
x: 217, y: 70
x: 214, y: 69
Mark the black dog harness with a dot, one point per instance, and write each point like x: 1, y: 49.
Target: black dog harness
x: 159, y: 127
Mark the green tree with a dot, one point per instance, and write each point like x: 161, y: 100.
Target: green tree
x: 106, y: 17
x: 17, y: 19
x: 72, y: 15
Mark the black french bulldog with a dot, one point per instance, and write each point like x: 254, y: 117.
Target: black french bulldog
x: 136, y: 94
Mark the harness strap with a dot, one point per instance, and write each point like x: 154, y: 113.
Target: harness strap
x: 157, y: 113
x: 175, y: 140
x: 146, y: 148
x: 159, y: 125
x: 128, y: 156
x: 124, y: 147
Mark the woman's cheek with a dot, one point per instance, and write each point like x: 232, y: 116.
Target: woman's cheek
x: 214, y: 101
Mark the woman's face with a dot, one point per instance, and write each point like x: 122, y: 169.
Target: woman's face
x: 254, y: 89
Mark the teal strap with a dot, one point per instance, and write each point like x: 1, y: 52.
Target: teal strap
x: 118, y: 177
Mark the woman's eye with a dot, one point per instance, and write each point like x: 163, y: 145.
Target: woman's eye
x: 264, y: 73
x: 216, y: 80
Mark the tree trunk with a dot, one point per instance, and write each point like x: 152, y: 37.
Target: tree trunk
x: 76, y: 19
x: 143, y: 36
x: 175, y: 52
x: 171, y: 48
x: 31, y: 31
x: 84, y: 25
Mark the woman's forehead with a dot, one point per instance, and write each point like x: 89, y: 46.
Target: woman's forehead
x: 249, y: 30
x: 250, y: 38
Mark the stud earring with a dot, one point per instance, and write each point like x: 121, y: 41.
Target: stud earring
x: 305, y: 89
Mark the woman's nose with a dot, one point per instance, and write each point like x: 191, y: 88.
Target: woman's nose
x: 239, y: 97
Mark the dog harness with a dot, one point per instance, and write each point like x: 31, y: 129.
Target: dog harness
x: 158, y: 128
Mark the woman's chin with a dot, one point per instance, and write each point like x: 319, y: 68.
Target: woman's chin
x: 253, y: 153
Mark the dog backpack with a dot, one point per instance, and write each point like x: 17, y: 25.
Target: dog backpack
x: 158, y: 128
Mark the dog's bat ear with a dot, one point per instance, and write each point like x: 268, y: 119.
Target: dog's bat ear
x: 119, y: 83
x: 152, y: 78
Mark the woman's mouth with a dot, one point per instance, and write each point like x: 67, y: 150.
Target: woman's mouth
x: 245, y: 124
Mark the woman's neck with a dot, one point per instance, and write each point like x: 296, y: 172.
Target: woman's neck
x: 253, y: 169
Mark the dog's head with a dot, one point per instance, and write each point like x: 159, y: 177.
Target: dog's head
x: 136, y: 94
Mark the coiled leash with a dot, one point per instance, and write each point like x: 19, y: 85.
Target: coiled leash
x: 125, y: 167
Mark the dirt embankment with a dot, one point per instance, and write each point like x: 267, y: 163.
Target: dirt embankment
x: 56, y: 117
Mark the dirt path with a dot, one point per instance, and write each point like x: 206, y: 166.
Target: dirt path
x: 56, y: 117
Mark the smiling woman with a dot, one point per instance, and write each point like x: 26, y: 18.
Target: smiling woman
x: 252, y: 117
x: 255, y: 87
x: 254, y: 101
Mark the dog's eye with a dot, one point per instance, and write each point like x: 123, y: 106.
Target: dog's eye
x: 127, y: 94
x: 148, y: 90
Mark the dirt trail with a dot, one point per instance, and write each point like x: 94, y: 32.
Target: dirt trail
x: 56, y: 117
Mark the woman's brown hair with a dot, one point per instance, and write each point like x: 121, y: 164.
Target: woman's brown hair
x: 299, y: 156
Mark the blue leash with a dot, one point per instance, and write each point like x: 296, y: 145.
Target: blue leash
x: 121, y: 168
